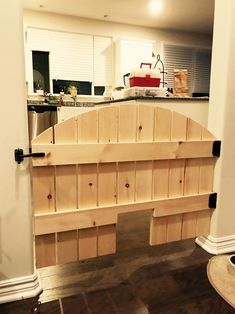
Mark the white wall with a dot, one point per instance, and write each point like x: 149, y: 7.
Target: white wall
x: 16, y: 234
x: 221, y: 123
x: 16, y: 239
x: 116, y: 30
x: 222, y: 116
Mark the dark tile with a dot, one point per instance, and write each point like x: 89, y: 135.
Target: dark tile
x: 192, y: 280
x: 99, y: 302
x: 204, y: 304
x: 74, y: 304
x: 125, y: 301
x: 157, y: 290
x: 19, y: 307
x: 52, y: 307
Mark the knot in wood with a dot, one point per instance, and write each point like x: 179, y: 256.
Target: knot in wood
x: 49, y: 196
x: 127, y: 185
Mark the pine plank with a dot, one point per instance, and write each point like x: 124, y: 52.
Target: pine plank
x: 126, y: 170
x: 107, y: 184
x: 45, y: 249
x: 106, y: 240
x: 66, y: 187
x: 66, y: 132
x: 158, y: 226
x: 45, y: 137
x: 185, y: 204
x: 160, y: 179
x: 127, y: 123
x: 88, y: 127
x: 107, y: 173
x: 162, y: 125
x: 66, y: 191
x: 66, y: 154
x: 106, y: 215
x: 158, y: 230
x: 87, y: 186
x: 144, y: 178
x: 66, y: 175
x: 145, y: 123
x: 176, y: 176
x: 67, y: 246
x: 43, y: 195
x: 191, y: 184
x: 126, y: 182
x: 87, y: 243
x: 108, y: 124
x: 205, y: 184
x: 43, y: 189
x: 178, y: 127
x: 162, y: 132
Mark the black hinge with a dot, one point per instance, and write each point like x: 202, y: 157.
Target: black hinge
x: 212, y: 200
x: 216, y: 148
x: 19, y: 155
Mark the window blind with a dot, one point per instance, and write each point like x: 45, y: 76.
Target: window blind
x: 196, y: 61
x: 202, y: 71
x: 177, y: 57
x: 72, y: 56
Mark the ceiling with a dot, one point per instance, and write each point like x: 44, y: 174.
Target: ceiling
x: 182, y: 15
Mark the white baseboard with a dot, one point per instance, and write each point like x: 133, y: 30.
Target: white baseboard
x: 20, y: 288
x: 217, y: 246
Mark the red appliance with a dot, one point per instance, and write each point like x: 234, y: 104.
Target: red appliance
x: 145, y: 77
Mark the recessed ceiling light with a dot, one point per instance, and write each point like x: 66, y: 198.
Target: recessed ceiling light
x: 155, y: 6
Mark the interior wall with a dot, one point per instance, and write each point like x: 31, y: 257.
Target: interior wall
x: 115, y: 30
x: 221, y: 117
x: 16, y: 250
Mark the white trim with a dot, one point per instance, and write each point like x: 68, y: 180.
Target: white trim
x: 20, y: 288
x: 216, y: 246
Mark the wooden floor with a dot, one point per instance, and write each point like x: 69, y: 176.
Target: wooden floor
x: 139, y: 279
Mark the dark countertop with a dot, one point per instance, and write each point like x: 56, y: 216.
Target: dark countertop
x: 32, y: 103
x: 152, y: 98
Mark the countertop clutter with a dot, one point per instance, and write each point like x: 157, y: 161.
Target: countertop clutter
x: 127, y: 94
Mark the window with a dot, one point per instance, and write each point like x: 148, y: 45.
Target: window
x: 196, y: 61
x: 83, y: 87
x: 81, y: 58
x: 40, y: 71
x: 202, y: 69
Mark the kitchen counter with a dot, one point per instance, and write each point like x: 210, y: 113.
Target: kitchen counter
x: 153, y: 98
x: 195, y: 108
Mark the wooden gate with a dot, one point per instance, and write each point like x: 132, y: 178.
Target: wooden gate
x: 118, y: 159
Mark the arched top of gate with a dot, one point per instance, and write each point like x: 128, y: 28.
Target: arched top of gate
x: 125, y: 123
